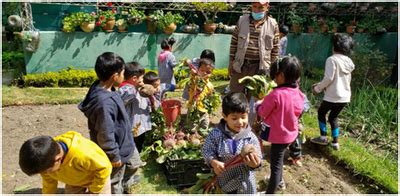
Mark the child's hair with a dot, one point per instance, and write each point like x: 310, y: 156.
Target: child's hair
x: 284, y: 29
x: 38, y: 154
x: 235, y: 103
x: 108, y: 64
x: 343, y: 44
x: 133, y: 69
x: 208, y: 54
x: 206, y: 61
x: 167, y: 43
x: 150, y: 77
x: 290, y: 67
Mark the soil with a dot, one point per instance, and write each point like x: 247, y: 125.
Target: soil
x: 319, y: 174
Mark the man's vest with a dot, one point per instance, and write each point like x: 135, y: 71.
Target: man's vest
x: 265, y: 42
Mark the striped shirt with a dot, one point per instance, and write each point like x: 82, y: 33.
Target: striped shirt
x: 222, y: 145
x: 252, y: 52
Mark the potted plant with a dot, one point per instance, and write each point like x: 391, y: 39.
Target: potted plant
x: 296, y: 21
x: 135, y: 16
x: 333, y: 24
x: 209, y: 11
x: 152, y: 20
x: 312, y: 24
x: 168, y: 22
x: 122, y: 25
x: 87, y: 21
x: 190, y: 28
x: 350, y: 27
x: 107, y: 20
x: 70, y: 22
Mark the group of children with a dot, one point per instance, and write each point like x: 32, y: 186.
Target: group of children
x: 108, y: 161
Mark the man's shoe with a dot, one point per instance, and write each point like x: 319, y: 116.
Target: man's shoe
x: 320, y: 141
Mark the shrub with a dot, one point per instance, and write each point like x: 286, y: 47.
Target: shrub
x: 12, y: 59
x: 65, y: 78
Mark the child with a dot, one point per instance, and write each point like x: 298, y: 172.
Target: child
x: 69, y: 158
x: 161, y: 88
x: 167, y: 62
x: 199, y: 88
x: 208, y: 54
x: 138, y: 107
x: 227, y: 140
x: 283, y: 31
x: 281, y: 110
x: 108, y: 121
x: 336, y: 84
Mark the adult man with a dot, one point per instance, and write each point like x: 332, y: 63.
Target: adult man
x: 254, y: 45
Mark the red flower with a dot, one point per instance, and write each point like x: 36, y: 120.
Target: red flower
x: 102, y: 17
x: 109, y: 4
x: 98, y: 23
x: 114, y: 11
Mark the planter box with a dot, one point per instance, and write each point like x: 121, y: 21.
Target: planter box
x: 8, y: 75
x: 182, y: 173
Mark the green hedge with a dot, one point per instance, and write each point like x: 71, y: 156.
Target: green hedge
x: 80, y: 78
x: 13, y: 59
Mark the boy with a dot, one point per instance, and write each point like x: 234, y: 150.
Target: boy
x: 283, y: 31
x: 199, y: 88
x: 69, y: 158
x: 137, y: 107
x: 153, y: 79
x: 227, y: 140
x: 108, y: 121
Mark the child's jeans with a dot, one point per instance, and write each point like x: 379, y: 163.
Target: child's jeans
x: 122, y: 177
x: 295, y: 148
x: 69, y: 189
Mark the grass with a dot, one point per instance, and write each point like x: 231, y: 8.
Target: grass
x: 381, y: 168
x: 36, y: 96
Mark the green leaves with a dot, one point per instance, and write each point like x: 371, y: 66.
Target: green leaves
x: 258, y: 85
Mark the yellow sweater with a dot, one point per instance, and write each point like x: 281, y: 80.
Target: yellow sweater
x: 198, y: 90
x: 85, y: 165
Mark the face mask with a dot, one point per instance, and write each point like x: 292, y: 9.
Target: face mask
x: 257, y: 16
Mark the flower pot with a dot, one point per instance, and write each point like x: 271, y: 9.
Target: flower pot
x: 350, y: 29
x: 170, y: 29
x: 310, y: 29
x: 312, y: 7
x: 324, y: 28
x: 296, y: 28
x: 109, y: 27
x: 134, y: 21
x: 171, y: 109
x: 209, y: 27
x: 88, y: 26
x: 122, y: 29
x: 190, y: 28
x: 334, y: 29
x: 151, y: 26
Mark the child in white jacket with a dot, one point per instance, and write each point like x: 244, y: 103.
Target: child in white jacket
x: 336, y: 84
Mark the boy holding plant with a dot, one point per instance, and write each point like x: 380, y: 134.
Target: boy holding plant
x: 226, y: 141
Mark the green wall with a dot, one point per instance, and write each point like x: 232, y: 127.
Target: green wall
x: 59, y: 50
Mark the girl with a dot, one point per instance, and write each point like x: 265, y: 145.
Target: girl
x: 281, y: 110
x: 336, y: 84
x: 167, y: 62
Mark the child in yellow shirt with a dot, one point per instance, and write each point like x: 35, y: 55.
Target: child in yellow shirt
x: 69, y: 158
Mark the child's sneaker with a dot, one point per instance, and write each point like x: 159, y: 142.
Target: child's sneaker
x: 297, y: 162
x: 335, y: 146
x: 320, y: 141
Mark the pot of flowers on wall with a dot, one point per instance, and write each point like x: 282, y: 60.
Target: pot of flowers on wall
x: 107, y: 20
x: 88, y: 22
x: 167, y: 22
x: 210, y: 11
x: 122, y: 25
x: 135, y: 17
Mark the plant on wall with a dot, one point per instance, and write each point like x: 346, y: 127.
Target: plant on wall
x: 168, y: 22
x: 210, y: 11
x: 296, y: 21
x: 135, y: 16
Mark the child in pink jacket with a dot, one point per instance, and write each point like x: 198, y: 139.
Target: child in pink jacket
x: 281, y: 110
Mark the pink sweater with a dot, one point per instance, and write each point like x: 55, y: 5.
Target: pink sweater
x: 281, y: 110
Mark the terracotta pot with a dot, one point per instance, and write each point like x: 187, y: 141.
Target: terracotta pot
x: 88, y: 26
x: 151, y: 26
x: 109, y: 27
x: 310, y: 29
x: 170, y: 29
x: 210, y: 27
x: 324, y: 28
x: 312, y: 7
x: 350, y: 29
x: 296, y: 28
x: 122, y: 29
x: 334, y: 29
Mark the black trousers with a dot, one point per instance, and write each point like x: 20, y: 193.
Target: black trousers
x: 277, y: 154
x: 139, y: 140
x: 335, y: 109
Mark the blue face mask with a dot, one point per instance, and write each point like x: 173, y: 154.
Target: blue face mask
x: 258, y: 16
